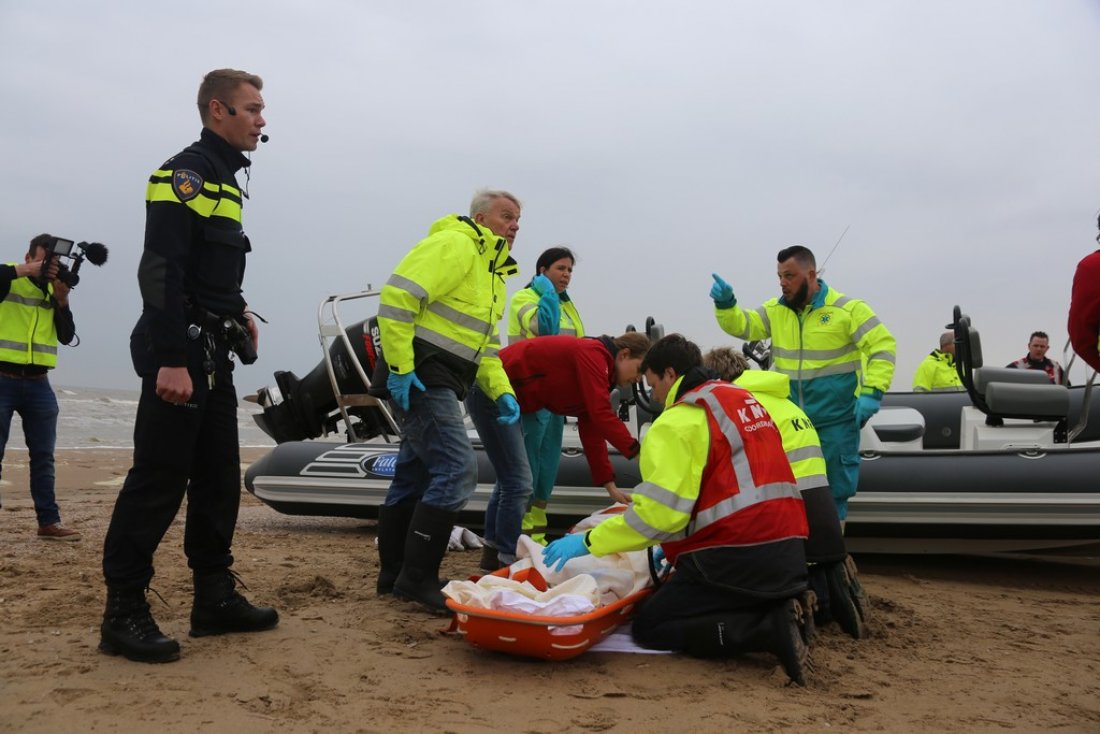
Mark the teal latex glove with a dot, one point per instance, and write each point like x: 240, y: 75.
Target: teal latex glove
x: 399, y: 386
x: 721, y: 293
x: 867, y: 406
x: 543, y: 285
x: 549, y: 315
x: 563, y: 550
x: 507, y: 409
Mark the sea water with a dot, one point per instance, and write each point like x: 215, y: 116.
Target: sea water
x: 101, y: 418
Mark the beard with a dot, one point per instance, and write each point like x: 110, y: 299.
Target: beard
x: 799, y: 299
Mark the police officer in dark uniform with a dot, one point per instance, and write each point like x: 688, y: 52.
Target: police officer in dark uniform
x: 185, y: 434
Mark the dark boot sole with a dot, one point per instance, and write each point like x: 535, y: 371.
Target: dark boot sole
x: 110, y: 649
x: 844, y: 606
x: 791, y: 649
x: 438, y: 611
x: 213, y: 631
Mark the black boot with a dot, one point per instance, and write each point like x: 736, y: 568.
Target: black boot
x: 490, y: 561
x: 425, y: 546
x: 788, y: 639
x: 219, y: 608
x: 846, y: 597
x: 129, y: 630
x: 393, y: 527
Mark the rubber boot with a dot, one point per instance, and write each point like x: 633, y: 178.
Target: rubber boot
x: 846, y: 597
x: 129, y: 630
x: 219, y: 608
x: 425, y: 546
x: 393, y: 527
x: 490, y: 561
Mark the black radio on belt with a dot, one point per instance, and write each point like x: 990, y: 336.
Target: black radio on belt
x: 239, y: 339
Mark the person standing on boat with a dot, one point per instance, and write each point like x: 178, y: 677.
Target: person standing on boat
x: 719, y: 497
x: 1084, y: 309
x: 185, y: 433
x: 438, y: 320
x: 531, y: 314
x: 34, y: 317
x: 937, y: 373
x: 833, y: 574
x: 1036, y: 359
x: 820, y: 339
x: 566, y: 376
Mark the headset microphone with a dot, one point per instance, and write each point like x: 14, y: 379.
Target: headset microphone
x: 228, y: 108
x: 264, y: 138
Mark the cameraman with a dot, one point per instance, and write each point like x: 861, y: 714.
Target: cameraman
x: 34, y: 317
x: 185, y: 433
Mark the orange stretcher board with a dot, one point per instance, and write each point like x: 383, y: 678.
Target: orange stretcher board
x: 529, y: 635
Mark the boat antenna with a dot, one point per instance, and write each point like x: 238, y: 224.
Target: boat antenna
x: 821, y: 270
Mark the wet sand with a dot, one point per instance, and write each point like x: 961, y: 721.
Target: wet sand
x: 954, y: 644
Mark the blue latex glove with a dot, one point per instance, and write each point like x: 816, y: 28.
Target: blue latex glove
x: 721, y: 293
x: 399, y: 386
x: 866, y: 406
x: 563, y: 550
x: 658, y: 554
x: 543, y: 285
x: 508, y: 409
x: 549, y: 314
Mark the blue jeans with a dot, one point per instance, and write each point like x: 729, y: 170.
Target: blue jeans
x: 436, y: 464
x: 36, y: 405
x: 840, y: 444
x: 506, y: 450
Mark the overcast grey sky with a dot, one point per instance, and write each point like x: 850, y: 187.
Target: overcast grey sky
x: 661, y: 141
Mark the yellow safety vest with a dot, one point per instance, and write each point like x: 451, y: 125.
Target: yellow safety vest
x: 27, y: 331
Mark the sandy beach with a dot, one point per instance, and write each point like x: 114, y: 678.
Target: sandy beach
x: 954, y: 644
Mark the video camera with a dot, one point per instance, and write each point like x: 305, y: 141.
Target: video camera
x: 61, y: 247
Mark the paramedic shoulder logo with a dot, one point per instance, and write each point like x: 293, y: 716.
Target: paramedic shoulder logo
x: 753, y: 417
x: 825, y: 318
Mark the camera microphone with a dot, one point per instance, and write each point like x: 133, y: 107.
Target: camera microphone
x: 264, y: 138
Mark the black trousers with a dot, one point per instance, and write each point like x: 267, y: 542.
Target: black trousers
x: 731, y: 587
x: 179, y: 450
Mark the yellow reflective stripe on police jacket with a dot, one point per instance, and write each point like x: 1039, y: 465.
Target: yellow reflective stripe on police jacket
x: 215, y: 200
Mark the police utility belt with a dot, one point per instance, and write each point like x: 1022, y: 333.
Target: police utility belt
x: 210, y: 329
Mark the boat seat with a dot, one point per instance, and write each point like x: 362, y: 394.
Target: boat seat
x: 1027, y: 401
x: 986, y: 375
x: 898, y: 425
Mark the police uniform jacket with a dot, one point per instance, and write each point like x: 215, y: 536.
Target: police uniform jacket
x: 195, y: 247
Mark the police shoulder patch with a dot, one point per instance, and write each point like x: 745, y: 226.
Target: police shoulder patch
x: 186, y: 184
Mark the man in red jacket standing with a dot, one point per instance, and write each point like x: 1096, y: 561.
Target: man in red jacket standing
x: 1084, y: 309
x: 567, y: 376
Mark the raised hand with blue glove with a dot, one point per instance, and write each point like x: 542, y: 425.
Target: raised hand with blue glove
x: 867, y: 405
x: 507, y: 409
x: 721, y: 293
x: 549, y: 313
x: 399, y: 386
x: 563, y: 550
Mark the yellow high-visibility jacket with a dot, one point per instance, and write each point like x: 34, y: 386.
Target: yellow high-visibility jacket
x: 449, y: 292
x: 523, y: 322
x: 821, y: 349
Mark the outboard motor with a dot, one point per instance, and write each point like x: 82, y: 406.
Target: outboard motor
x: 307, y: 407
